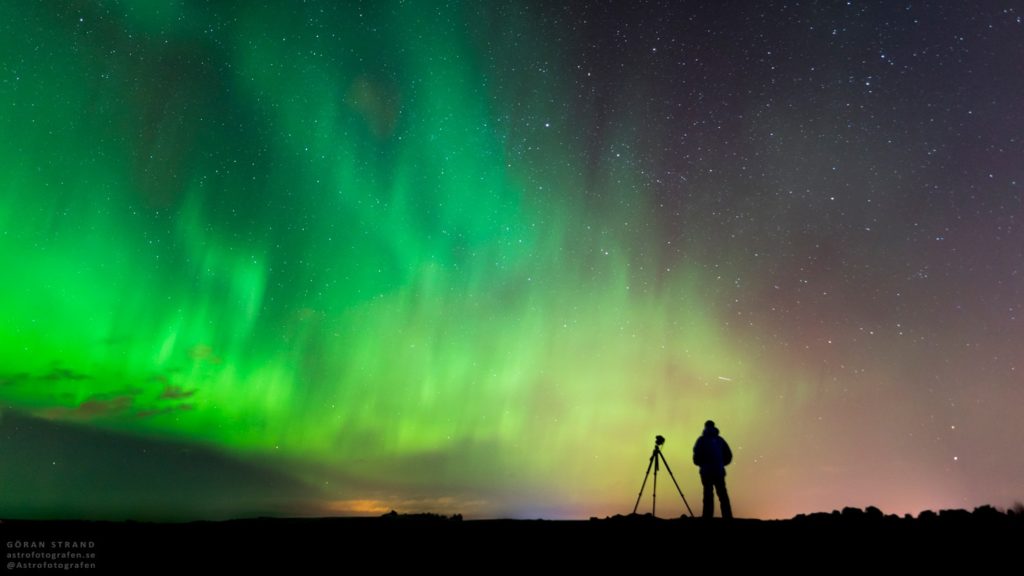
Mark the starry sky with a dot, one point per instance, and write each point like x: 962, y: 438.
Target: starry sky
x: 314, y: 258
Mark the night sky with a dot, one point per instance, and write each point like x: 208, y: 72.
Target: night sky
x: 342, y: 257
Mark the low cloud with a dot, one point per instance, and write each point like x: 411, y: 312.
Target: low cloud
x: 172, y: 392
x: 11, y: 379
x: 58, y: 374
x: 94, y: 408
x: 167, y: 410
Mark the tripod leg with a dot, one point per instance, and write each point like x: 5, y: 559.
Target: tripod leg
x: 638, y: 496
x: 654, y: 491
x: 676, y: 483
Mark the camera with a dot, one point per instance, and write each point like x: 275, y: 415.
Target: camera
x: 659, y: 440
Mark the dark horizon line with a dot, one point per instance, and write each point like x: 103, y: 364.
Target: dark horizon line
x: 869, y: 512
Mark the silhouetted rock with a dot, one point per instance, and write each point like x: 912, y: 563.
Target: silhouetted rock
x: 420, y: 517
x: 957, y: 515
x: 814, y: 517
x: 853, y: 513
x: 987, y: 512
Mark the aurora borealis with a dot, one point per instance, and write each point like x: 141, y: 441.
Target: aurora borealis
x: 472, y: 257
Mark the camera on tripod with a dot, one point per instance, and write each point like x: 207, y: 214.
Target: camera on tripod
x: 656, y: 457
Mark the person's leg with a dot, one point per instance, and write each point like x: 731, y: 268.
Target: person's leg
x: 723, y: 497
x: 709, y: 495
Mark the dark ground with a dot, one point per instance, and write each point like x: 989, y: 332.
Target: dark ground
x: 983, y: 538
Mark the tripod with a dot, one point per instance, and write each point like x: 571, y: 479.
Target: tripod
x: 655, y: 457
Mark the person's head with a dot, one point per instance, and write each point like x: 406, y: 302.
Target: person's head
x: 709, y: 424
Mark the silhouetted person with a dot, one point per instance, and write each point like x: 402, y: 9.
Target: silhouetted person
x: 712, y: 454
